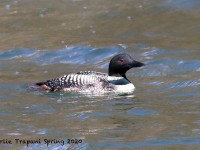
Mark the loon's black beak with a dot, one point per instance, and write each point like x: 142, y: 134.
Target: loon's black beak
x: 137, y: 64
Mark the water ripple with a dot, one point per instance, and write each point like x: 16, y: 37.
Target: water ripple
x: 39, y: 109
x: 185, y: 66
x: 81, y: 55
x: 152, y: 143
x: 178, y: 84
x: 16, y: 53
x: 169, y: 66
x: 181, y: 4
x: 141, y: 112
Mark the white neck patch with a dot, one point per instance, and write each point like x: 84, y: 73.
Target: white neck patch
x: 118, y: 80
x: 121, y: 84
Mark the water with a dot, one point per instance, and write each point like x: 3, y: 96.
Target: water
x: 60, y: 37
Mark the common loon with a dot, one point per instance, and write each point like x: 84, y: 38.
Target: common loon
x: 91, y: 81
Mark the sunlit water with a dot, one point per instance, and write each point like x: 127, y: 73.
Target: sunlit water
x: 164, y: 111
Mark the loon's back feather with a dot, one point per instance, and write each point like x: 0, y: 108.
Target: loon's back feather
x: 81, y: 79
x: 100, y: 74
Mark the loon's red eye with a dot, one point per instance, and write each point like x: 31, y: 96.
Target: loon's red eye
x: 121, y: 60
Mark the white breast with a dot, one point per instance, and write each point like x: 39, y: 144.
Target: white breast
x: 127, y: 88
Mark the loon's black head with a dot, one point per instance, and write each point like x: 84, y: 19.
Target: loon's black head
x: 121, y: 63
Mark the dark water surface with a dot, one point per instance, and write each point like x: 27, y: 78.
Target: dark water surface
x: 41, y: 40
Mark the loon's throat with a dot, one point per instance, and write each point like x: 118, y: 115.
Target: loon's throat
x: 118, y: 80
